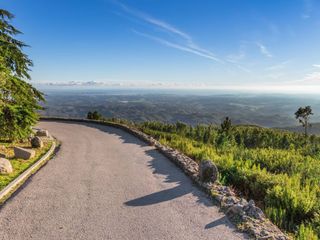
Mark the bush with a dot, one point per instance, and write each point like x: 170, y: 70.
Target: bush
x: 275, y: 168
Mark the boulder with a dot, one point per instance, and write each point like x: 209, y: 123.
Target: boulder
x: 208, y: 171
x: 253, y: 211
x: 23, y: 153
x: 5, y: 166
x: 42, y: 133
x: 235, y: 210
x: 36, y: 142
x: 2, y: 155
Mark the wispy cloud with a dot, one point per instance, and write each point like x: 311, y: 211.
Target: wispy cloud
x: 308, y: 7
x: 264, y: 50
x: 177, y: 46
x: 278, y: 66
x: 316, y: 65
x: 312, y: 78
x: 243, y: 68
x: 188, y: 44
x: 236, y: 57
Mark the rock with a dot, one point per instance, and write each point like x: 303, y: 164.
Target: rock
x: 36, y: 142
x: 243, y: 201
x: 5, y: 166
x: 253, y: 211
x: 2, y: 155
x: 42, y: 133
x: 229, y: 201
x: 235, y: 210
x: 208, y: 171
x: 23, y: 153
x: 219, y: 197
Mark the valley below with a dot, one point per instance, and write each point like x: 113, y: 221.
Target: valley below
x: 190, y: 107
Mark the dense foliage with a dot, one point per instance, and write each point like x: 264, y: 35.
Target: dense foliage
x: 94, y: 115
x: 18, y: 99
x: 279, y: 169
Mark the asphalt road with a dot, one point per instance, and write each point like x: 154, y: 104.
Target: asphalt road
x: 107, y: 184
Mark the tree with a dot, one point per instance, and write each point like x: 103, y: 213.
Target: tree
x: 226, y: 125
x: 19, y: 100
x: 89, y: 115
x: 94, y: 115
x: 303, y: 115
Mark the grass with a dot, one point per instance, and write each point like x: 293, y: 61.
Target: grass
x: 19, y: 165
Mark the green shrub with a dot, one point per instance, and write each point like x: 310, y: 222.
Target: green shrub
x: 275, y: 168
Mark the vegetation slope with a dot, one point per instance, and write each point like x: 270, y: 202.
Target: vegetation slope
x: 278, y: 169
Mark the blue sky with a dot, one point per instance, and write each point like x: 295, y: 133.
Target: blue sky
x: 254, y: 44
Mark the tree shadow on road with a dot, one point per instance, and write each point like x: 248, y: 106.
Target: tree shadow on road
x: 163, y: 168
x: 220, y: 221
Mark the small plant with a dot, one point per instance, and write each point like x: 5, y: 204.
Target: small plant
x: 306, y: 232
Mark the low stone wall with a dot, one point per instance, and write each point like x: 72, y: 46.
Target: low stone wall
x: 245, y: 215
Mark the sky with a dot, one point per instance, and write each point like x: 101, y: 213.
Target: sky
x: 243, y: 44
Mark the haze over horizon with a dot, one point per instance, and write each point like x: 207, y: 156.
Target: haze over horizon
x: 247, y: 45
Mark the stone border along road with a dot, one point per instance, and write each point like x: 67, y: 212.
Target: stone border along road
x: 18, y: 182
x: 245, y: 214
x: 104, y: 183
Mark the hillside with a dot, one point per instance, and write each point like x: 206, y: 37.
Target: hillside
x: 315, y: 129
x: 274, y: 167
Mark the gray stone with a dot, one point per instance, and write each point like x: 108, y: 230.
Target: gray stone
x: 208, y: 171
x: 243, y: 201
x: 23, y: 153
x: 253, y: 211
x: 36, y: 142
x: 231, y: 200
x: 5, y: 166
x: 235, y: 210
x: 42, y: 133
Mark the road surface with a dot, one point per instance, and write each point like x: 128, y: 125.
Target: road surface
x: 106, y: 184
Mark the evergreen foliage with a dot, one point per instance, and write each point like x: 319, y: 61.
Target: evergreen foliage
x: 94, y: 116
x: 19, y: 100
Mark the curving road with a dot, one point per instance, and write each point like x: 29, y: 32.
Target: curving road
x: 107, y: 184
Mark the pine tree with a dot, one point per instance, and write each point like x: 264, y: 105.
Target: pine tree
x: 19, y: 100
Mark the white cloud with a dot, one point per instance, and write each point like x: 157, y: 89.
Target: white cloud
x: 188, y: 46
x: 307, y: 9
x: 177, y: 46
x: 278, y: 66
x: 312, y: 78
x: 234, y: 58
x: 316, y: 65
x: 243, y: 68
x: 263, y: 49
x: 309, y: 79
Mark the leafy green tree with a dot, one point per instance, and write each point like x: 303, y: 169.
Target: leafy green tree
x: 19, y: 100
x: 303, y: 115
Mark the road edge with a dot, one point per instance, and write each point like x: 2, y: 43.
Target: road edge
x: 12, y: 187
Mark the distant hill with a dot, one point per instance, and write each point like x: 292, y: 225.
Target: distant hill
x: 187, y: 107
x: 315, y: 129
